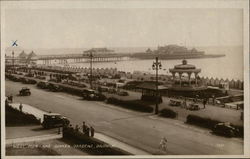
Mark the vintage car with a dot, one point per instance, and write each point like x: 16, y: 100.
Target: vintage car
x: 122, y: 93
x: 193, y: 106
x: 174, y: 102
x: 28, y: 81
x: 90, y: 94
x: 24, y: 91
x: 53, y: 120
x: 225, y: 129
x: 54, y: 87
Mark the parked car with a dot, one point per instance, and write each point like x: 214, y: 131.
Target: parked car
x: 225, y: 129
x: 175, y: 102
x: 25, y: 91
x: 122, y: 93
x: 53, y: 120
x: 54, y: 87
x: 16, y: 79
x: 193, y: 106
x: 29, y: 75
x: 102, y: 89
x: 90, y: 94
x: 28, y: 81
x: 112, y: 90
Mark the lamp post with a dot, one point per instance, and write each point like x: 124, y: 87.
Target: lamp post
x: 13, y: 59
x: 156, y: 66
x: 91, y: 60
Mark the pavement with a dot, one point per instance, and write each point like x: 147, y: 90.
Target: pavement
x: 121, y: 145
x: 141, y: 130
x: 33, y: 138
x: 53, y: 133
x: 27, y: 131
x: 29, y: 109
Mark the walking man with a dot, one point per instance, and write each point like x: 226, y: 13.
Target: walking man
x: 163, y: 144
x: 204, y: 102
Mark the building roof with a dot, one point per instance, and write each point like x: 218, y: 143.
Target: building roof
x: 31, y: 55
x: 99, y: 50
x: 22, y: 55
x: 150, y: 86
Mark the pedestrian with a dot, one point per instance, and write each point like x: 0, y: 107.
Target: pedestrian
x: 196, y: 98
x: 213, y: 99
x: 184, y: 104
x: 163, y: 144
x: 204, y: 103
x: 21, y: 107
x: 87, y: 131
x: 77, y: 128
x: 92, y: 131
x: 84, y: 126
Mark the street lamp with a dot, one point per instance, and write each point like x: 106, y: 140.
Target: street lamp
x: 13, y: 59
x: 156, y: 66
x: 91, y: 61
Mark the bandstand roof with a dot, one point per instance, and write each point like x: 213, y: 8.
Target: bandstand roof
x: 185, y: 70
x: 184, y: 67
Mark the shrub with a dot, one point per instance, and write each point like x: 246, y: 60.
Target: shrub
x: 15, y: 117
x: 133, y: 104
x: 201, y: 121
x: 168, y: 113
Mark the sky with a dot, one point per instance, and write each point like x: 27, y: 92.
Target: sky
x: 123, y: 27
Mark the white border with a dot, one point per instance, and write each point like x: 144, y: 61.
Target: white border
x: 242, y: 4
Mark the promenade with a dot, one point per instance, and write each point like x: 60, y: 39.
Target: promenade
x: 140, y: 130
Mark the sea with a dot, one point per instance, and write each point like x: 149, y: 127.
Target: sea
x: 229, y: 66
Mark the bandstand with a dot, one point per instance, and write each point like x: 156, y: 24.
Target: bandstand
x: 186, y: 81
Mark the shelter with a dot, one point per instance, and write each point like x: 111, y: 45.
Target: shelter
x: 149, y: 91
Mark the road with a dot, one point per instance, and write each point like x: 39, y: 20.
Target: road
x: 142, y: 130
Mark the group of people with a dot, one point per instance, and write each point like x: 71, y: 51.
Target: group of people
x: 86, y: 130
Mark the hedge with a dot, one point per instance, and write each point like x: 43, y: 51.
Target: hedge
x: 201, y: 121
x: 90, y: 144
x: 15, y: 117
x: 168, y: 113
x: 132, y: 104
x: 210, y: 123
